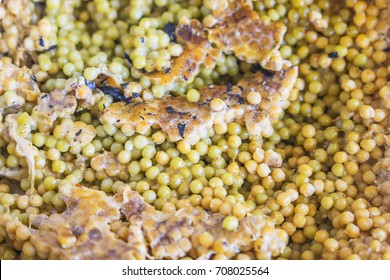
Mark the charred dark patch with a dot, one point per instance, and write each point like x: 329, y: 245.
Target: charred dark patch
x: 44, y: 96
x: 78, y: 132
x: 185, y: 32
x: 182, y: 128
x: 229, y: 87
x: 136, y: 95
x: 387, y: 49
x: 124, y: 85
x: 76, y: 230
x: 170, y: 110
x: 90, y: 84
x: 95, y: 234
x: 240, y: 100
x: 168, y: 70
x: 34, y: 79
x: 333, y: 55
x: 51, y: 48
x: 266, y: 73
x: 131, y: 208
x: 41, y: 42
x: 115, y: 93
x: 170, y: 28
x: 111, y: 253
x: 128, y: 59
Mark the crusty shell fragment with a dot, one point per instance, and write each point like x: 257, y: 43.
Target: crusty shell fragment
x: 24, y: 148
x: 53, y: 105
x: 83, y: 231
x: 240, y: 30
x: 78, y: 94
x: 197, y: 51
x: 78, y: 133
x: 182, y: 119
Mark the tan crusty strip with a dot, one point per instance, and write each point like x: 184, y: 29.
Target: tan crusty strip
x: 181, y: 119
x: 82, y: 231
x: 197, y: 51
x: 240, y: 30
x: 23, y: 147
x: 13, y: 173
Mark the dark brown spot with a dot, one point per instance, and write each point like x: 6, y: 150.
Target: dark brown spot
x: 133, y: 207
x: 128, y: 59
x: 111, y: 253
x: 90, y: 84
x: 170, y: 110
x: 115, y: 93
x: 182, y: 128
x: 95, y: 234
x: 76, y: 230
x: 170, y: 28
x: 240, y: 100
x: 41, y: 42
x: 333, y: 55
x: 185, y: 32
x: 263, y: 71
x: 229, y: 87
x: 78, y: 132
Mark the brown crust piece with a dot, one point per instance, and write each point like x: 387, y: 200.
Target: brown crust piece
x: 53, y: 105
x: 181, y: 119
x: 78, y: 133
x: 240, y: 30
x: 83, y: 231
x: 197, y: 51
x: 76, y: 95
